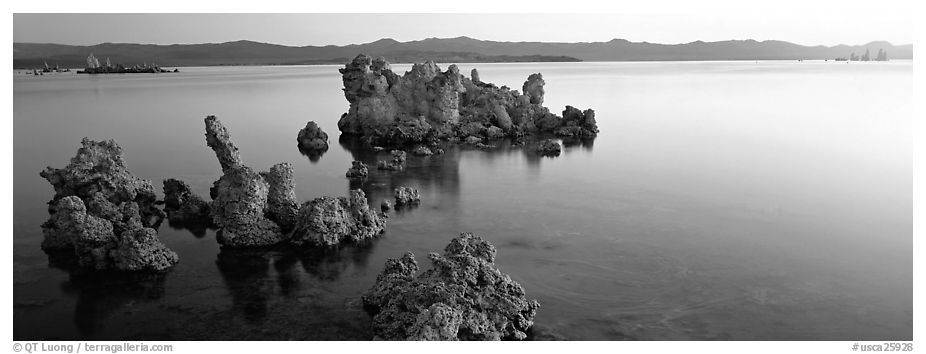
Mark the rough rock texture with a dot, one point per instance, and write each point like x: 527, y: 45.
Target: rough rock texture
x: 328, y: 221
x: 97, y: 201
x: 396, y: 164
x: 549, y: 147
x: 282, y: 205
x: 426, y: 104
x: 99, y: 167
x: 182, y: 206
x: 312, y: 138
x: 385, y: 206
x: 473, y: 140
x: 238, y: 203
x: 463, y: 297
x: 358, y: 169
x: 423, y: 151
x: 251, y: 208
x: 95, y: 243
x: 140, y: 249
x: 218, y: 140
x: 406, y: 196
x: 577, y: 123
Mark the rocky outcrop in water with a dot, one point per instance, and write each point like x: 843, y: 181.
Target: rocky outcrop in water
x: 251, y: 208
x: 577, y: 124
x: 405, y: 196
x: 385, y: 206
x: 103, y: 215
x: 463, y: 297
x: 358, y: 169
x: 312, y: 138
x: 423, y: 151
x: 328, y: 221
x: 549, y: 147
x: 426, y: 104
x: 99, y: 167
x: 397, y: 163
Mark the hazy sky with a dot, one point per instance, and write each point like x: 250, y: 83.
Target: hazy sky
x: 341, y: 29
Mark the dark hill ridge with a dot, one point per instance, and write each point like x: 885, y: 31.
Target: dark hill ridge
x: 459, y: 49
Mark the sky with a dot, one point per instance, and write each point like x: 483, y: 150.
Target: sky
x: 892, y: 24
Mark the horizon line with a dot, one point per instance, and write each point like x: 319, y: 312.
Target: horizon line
x: 468, y: 37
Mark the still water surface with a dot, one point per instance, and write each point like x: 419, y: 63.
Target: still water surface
x: 722, y: 200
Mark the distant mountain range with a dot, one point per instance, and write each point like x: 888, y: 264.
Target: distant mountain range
x: 446, y: 50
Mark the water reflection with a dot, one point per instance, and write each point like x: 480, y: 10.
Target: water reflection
x: 436, y: 175
x: 258, y: 277
x: 313, y: 155
x: 101, y: 295
x: 197, y: 227
x: 441, y: 173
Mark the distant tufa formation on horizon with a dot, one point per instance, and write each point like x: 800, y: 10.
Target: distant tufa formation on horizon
x: 882, y: 56
x: 94, y: 67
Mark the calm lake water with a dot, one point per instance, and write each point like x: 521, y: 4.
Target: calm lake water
x: 722, y: 200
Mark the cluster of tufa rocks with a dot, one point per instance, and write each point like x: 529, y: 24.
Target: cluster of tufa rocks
x: 426, y: 105
x: 358, y: 169
x: 103, y: 215
x: 328, y: 221
x: 406, y: 196
x: 397, y: 163
x: 462, y: 297
x: 254, y: 209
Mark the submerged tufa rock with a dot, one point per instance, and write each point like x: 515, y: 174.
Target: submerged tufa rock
x: 406, y: 196
x: 549, y: 147
x: 328, y: 221
x: 463, y: 297
x: 357, y: 169
x: 396, y: 164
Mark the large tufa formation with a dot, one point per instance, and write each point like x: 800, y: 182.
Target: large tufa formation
x: 104, y: 215
x: 260, y: 209
x: 426, y: 105
x: 388, y: 109
x: 251, y: 208
x: 328, y: 221
x: 99, y: 167
x: 463, y: 297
